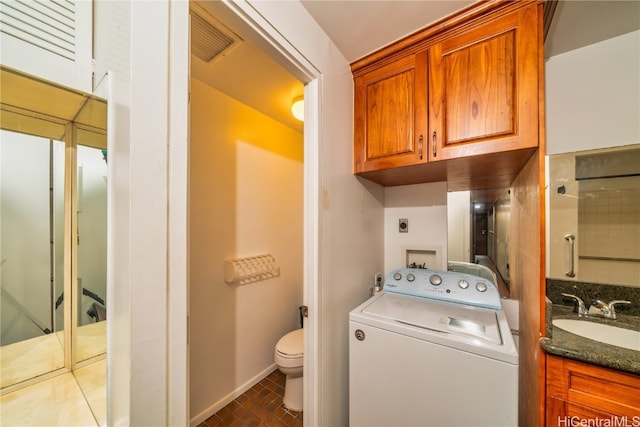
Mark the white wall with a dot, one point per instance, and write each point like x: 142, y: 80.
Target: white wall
x: 92, y: 228
x: 112, y: 47
x: 25, y: 249
x: 425, y: 206
x: 246, y: 198
x: 145, y: 47
x: 26, y: 213
x: 593, y: 96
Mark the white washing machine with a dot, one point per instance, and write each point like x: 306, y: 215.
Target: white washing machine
x: 433, y: 348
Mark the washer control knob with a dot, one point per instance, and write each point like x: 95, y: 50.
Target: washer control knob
x: 359, y: 333
x: 481, y: 286
x: 463, y: 284
x: 411, y: 277
x: 397, y: 276
x: 435, y: 280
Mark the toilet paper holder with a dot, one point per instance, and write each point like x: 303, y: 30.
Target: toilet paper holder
x: 243, y: 271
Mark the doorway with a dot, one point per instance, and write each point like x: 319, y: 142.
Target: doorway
x: 246, y: 183
x: 480, y: 233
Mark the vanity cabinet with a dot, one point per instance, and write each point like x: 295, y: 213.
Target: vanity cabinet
x: 458, y: 101
x: 589, y: 392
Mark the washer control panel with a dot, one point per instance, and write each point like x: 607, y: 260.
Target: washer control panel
x: 448, y: 286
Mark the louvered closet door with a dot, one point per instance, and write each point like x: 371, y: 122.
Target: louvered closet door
x: 51, y: 39
x: 47, y: 25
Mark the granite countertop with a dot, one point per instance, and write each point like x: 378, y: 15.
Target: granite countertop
x: 566, y: 344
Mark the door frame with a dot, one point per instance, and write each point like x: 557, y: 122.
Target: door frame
x: 272, y: 42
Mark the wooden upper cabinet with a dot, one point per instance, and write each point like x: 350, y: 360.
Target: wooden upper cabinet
x: 483, y: 86
x: 458, y: 101
x: 390, y: 115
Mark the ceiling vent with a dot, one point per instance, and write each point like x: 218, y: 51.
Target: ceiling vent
x: 210, y: 39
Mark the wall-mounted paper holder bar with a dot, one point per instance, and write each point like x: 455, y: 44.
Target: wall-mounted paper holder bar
x: 251, y: 269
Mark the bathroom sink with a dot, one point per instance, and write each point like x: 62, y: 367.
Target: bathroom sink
x: 607, y: 334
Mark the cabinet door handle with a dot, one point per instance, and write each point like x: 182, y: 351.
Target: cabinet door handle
x: 420, y: 147
x: 433, y: 143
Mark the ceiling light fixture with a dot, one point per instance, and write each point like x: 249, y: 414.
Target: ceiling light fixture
x: 297, y: 108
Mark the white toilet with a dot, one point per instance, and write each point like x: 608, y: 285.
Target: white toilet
x: 289, y: 356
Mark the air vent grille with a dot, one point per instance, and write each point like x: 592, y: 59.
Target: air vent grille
x: 209, y: 41
x: 48, y: 25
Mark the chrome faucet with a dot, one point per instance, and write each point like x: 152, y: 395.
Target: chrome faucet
x: 597, y: 308
x: 579, y: 306
x: 602, y: 309
x: 611, y: 313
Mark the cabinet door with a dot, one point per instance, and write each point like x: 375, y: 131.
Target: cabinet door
x: 484, y: 88
x: 560, y: 412
x: 390, y: 117
x: 589, y: 391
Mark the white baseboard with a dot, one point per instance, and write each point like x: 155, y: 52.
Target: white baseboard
x: 202, y: 416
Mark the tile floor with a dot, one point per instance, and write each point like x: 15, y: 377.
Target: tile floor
x: 70, y: 399
x: 259, y: 406
x: 79, y: 399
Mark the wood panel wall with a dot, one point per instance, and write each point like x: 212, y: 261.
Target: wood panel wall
x: 527, y: 265
x: 527, y: 252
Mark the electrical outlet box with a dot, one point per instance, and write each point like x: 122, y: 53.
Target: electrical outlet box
x: 377, y: 279
x: 377, y: 284
x: 403, y: 225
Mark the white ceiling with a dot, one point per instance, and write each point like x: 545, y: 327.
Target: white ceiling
x: 579, y: 23
x: 359, y: 27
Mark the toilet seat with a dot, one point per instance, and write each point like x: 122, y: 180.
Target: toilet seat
x: 290, y: 349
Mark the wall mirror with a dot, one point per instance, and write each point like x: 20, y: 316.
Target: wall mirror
x: 594, y: 216
x: 478, y: 224
x: 53, y: 227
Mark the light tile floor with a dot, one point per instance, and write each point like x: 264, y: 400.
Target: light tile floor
x: 64, y: 400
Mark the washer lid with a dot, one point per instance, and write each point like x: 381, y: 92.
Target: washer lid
x: 292, y: 344
x: 437, y: 316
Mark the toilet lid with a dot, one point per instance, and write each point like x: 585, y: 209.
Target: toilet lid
x: 292, y: 344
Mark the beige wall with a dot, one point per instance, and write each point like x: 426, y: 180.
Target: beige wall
x: 425, y: 206
x: 246, y: 198
x: 502, y: 230
x: 458, y: 226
